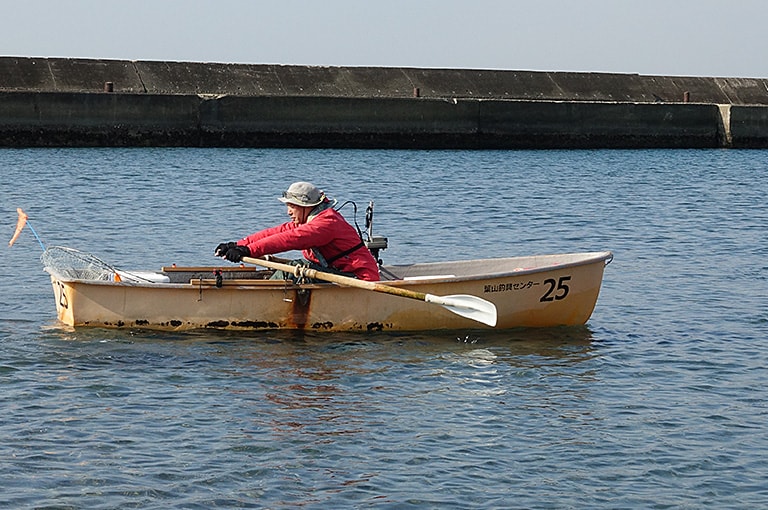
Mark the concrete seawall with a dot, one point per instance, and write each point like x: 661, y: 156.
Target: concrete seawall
x: 70, y: 102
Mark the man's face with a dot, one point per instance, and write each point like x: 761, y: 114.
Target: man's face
x: 298, y: 213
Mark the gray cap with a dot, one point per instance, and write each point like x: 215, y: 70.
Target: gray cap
x: 303, y: 194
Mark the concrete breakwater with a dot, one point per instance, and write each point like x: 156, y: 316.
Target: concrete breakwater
x: 78, y: 102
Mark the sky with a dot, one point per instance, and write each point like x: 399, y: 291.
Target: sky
x: 650, y: 37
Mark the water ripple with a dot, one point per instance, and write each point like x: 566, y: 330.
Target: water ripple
x: 658, y: 402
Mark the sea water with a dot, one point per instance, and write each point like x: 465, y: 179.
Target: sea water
x: 658, y: 402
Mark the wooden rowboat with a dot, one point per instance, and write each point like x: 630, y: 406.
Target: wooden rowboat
x: 534, y: 291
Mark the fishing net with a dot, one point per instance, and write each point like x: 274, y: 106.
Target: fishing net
x: 66, y: 262
x: 69, y: 263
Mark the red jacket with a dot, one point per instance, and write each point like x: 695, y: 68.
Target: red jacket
x: 328, y: 232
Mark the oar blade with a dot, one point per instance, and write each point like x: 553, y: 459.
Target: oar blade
x: 465, y: 305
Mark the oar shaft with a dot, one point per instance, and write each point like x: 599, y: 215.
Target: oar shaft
x: 336, y: 278
x: 471, y: 307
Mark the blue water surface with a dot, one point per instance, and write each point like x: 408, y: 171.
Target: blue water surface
x: 658, y: 402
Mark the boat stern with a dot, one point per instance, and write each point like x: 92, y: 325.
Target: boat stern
x: 63, y: 296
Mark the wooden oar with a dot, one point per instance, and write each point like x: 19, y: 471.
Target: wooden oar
x: 471, y: 307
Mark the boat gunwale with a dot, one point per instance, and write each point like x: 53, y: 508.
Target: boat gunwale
x: 586, y: 258
x: 589, y: 258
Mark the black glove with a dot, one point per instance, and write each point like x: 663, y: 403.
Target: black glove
x: 221, y: 249
x: 236, y: 253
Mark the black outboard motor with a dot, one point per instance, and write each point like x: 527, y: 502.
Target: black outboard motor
x: 374, y: 243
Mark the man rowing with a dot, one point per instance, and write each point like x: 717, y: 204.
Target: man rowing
x: 328, y: 242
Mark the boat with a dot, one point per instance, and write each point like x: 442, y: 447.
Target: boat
x: 495, y: 293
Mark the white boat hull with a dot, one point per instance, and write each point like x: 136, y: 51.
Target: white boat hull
x: 539, y: 291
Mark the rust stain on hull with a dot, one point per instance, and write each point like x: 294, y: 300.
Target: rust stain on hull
x: 302, y: 299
